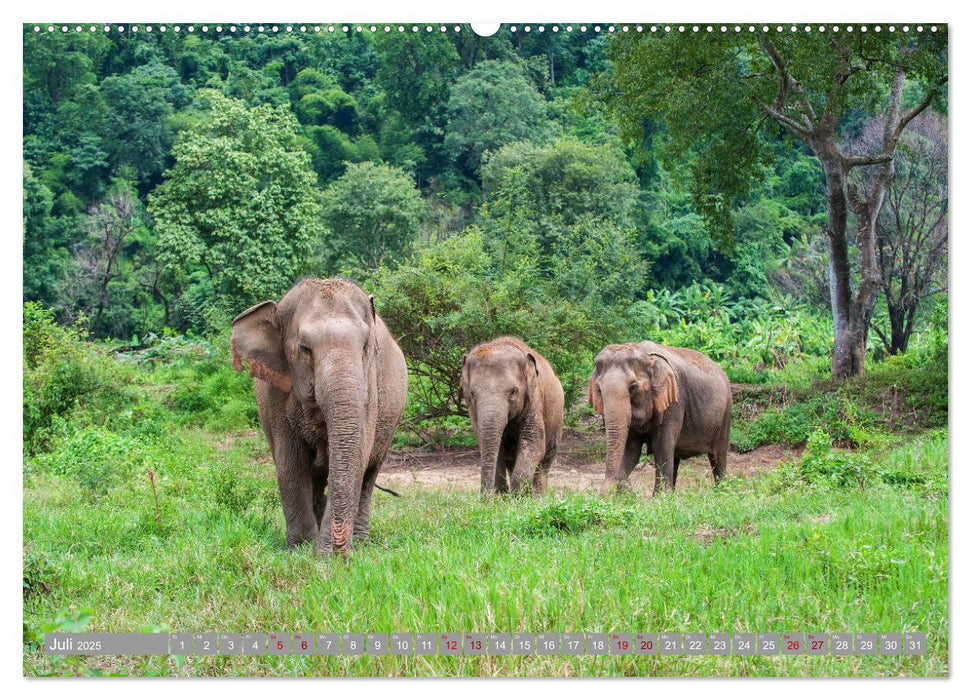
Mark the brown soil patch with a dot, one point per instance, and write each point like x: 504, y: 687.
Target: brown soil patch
x: 580, y: 465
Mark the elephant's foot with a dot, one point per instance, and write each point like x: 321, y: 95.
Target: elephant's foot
x: 541, y: 481
x: 337, y: 538
x: 294, y: 542
x: 613, y: 488
x: 296, y: 539
x: 362, y: 533
x: 521, y: 487
x: 662, y: 487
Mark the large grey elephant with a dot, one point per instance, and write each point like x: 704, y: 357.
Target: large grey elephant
x: 675, y: 402
x: 516, y: 405
x: 330, y: 389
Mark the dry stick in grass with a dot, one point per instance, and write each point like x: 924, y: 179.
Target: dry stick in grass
x: 894, y: 406
x: 151, y: 477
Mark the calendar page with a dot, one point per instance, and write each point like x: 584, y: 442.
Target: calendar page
x: 375, y: 349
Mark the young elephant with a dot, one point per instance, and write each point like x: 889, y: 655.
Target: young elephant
x: 674, y: 401
x: 330, y: 389
x: 516, y: 405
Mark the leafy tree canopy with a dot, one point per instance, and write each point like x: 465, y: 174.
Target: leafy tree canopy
x: 490, y: 107
x: 239, y: 201
x: 372, y: 212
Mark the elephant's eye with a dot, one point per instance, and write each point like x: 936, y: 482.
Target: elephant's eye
x: 513, y: 392
x: 304, y: 349
x: 633, y: 387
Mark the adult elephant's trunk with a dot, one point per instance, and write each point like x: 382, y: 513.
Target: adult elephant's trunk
x: 341, y: 390
x: 491, y: 423
x: 616, y: 398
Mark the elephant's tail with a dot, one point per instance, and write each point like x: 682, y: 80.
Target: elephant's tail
x: 393, y: 493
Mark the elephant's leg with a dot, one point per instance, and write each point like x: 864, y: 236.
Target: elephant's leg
x: 362, y: 523
x: 617, y: 480
x: 677, y: 463
x: 531, y: 448
x: 542, y: 475
x: 663, y: 448
x: 632, y: 453
x: 318, y: 482
x: 628, y: 460
x: 541, y: 478
x: 503, y: 464
x: 293, y: 460
x: 523, y: 469
x: 719, y: 461
x: 528, y: 467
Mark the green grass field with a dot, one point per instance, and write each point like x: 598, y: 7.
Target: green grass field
x: 839, y: 541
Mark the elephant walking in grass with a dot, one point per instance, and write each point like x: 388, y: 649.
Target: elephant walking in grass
x: 330, y: 388
x: 516, y: 405
x: 674, y: 402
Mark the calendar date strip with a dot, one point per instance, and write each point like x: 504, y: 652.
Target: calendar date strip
x: 487, y: 644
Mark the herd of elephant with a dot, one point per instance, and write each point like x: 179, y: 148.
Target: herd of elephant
x: 331, y: 383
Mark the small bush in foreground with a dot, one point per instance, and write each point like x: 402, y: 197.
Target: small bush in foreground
x: 573, y: 514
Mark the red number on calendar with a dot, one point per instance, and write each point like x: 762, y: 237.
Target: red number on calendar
x: 303, y: 645
x: 792, y: 645
x: 623, y: 644
x: 817, y: 644
x: 477, y: 645
x: 452, y: 645
x: 647, y: 644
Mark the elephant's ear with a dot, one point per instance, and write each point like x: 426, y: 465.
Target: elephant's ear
x: 258, y: 340
x: 465, y: 377
x: 531, y: 363
x: 372, y: 341
x: 664, y: 383
x: 465, y: 392
x: 593, y: 397
x: 531, y: 375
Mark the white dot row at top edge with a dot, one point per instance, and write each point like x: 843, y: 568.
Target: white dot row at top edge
x: 246, y: 29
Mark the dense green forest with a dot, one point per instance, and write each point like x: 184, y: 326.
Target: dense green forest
x: 563, y: 186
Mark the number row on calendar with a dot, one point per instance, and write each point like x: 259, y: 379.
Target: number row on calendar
x: 494, y: 644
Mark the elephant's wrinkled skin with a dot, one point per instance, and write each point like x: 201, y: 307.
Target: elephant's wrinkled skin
x: 674, y: 401
x: 330, y: 388
x: 516, y: 405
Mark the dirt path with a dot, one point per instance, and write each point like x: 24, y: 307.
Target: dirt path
x: 580, y: 465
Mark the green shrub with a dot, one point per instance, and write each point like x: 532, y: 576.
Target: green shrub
x: 62, y: 372
x: 748, y: 337
x: 919, y: 466
x: 215, y: 396
x: 571, y: 514
x: 452, y: 295
x: 39, y: 574
x: 96, y: 457
x: 821, y: 463
x: 43, y: 337
x: 230, y: 491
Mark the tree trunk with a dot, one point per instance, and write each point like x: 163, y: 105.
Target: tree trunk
x: 793, y: 109
x: 849, y: 335
x: 898, y: 335
x: 901, y: 327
